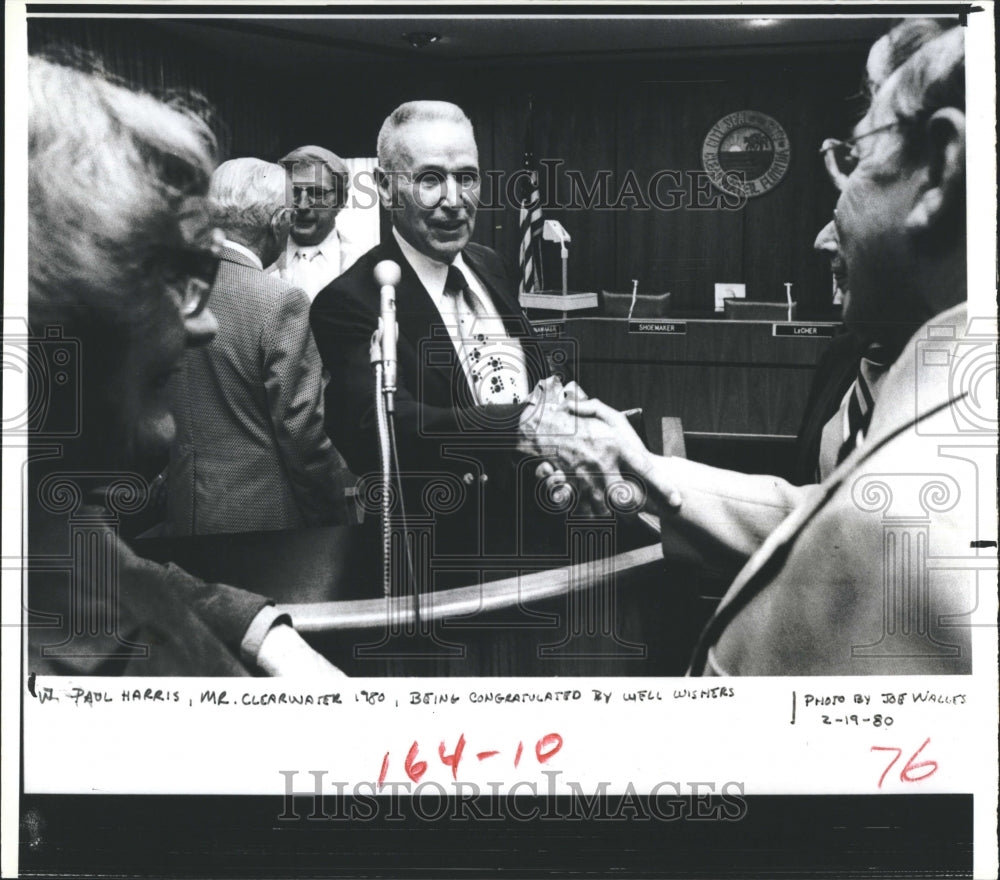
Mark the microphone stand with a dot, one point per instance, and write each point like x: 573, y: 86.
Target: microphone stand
x: 383, y: 356
x: 385, y: 459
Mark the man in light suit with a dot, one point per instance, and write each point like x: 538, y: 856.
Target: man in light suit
x: 316, y: 251
x: 874, y: 571
x: 466, y: 355
x: 251, y: 452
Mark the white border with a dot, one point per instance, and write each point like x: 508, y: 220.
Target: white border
x: 761, y: 719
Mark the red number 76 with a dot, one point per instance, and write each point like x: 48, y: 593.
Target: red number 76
x: 906, y: 774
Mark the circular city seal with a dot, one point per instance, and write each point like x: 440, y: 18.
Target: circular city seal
x: 746, y: 153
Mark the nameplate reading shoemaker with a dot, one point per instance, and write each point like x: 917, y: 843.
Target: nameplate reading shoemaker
x: 669, y: 328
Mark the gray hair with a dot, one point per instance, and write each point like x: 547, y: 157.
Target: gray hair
x: 891, y: 50
x: 244, y: 194
x: 413, y: 111
x: 929, y: 80
x: 108, y: 171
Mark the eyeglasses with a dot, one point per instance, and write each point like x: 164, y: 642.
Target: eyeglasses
x: 309, y: 195
x: 843, y: 154
x: 433, y: 179
x: 431, y: 184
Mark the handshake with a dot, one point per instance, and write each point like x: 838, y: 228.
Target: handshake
x: 590, y: 451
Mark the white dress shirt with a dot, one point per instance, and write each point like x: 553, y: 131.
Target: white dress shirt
x: 313, y: 267
x: 494, y: 356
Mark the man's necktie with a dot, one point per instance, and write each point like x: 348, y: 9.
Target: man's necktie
x: 495, y: 366
x: 456, y: 285
x: 860, y: 402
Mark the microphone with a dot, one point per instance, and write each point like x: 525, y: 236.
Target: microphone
x: 387, y: 275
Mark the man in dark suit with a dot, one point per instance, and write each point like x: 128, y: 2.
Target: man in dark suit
x: 466, y: 356
x: 251, y: 452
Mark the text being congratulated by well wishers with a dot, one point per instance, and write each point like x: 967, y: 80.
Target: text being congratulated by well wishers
x: 655, y: 738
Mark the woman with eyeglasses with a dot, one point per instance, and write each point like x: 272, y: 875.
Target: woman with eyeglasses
x: 122, y: 257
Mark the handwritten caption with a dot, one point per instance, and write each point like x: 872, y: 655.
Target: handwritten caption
x: 846, y: 710
x: 895, y: 736
x: 855, y: 709
x: 81, y: 696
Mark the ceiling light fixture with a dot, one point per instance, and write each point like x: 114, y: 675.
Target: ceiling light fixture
x: 419, y: 39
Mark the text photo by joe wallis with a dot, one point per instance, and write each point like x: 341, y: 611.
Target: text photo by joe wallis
x: 547, y: 348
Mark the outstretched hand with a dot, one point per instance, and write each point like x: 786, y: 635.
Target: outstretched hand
x: 590, y: 450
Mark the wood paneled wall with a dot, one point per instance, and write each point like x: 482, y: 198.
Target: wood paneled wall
x: 612, y: 116
x: 648, y: 118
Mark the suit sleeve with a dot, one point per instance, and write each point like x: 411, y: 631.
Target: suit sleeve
x: 293, y: 385
x: 343, y: 328
x: 228, y: 611
x: 187, y: 626
x: 727, y: 515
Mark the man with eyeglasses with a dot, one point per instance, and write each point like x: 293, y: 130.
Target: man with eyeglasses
x: 120, y: 269
x: 466, y: 364
x: 317, y: 251
x: 251, y: 452
x: 871, y: 571
x: 848, y: 375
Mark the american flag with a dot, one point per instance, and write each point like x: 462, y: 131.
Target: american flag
x: 530, y: 221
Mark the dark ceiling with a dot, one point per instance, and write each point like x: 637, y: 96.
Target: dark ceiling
x: 285, y: 42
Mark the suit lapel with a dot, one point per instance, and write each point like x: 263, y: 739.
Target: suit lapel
x: 760, y: 571
x: 415, y: 310
x: 888, y: 422
x: 417, y: 317
x: 508, y: 307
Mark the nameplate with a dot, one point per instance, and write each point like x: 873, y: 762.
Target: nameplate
x: 550, y: 329
x: 670, y: 328
x: 814, y: 331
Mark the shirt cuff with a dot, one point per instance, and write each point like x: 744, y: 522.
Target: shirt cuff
x: 267, y: 618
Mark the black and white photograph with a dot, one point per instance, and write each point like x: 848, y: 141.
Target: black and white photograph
x: 477, y: 440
